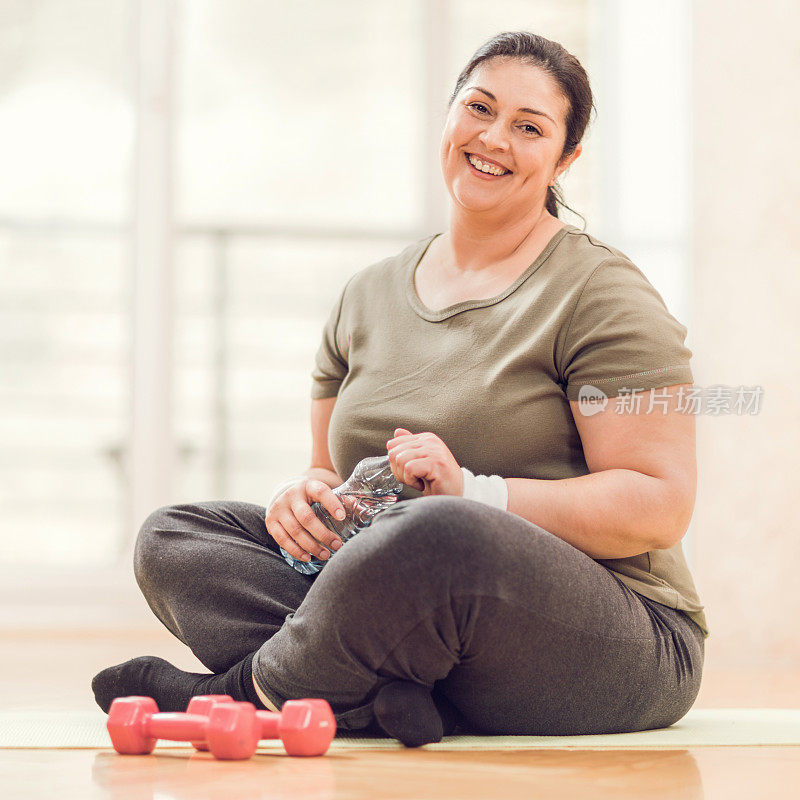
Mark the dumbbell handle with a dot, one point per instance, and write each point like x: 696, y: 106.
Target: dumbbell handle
x: 176, y: 726
x: 268, y: 724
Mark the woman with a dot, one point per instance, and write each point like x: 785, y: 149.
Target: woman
x: 553, y: 600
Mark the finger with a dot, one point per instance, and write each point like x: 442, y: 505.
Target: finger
x: 279, y: 534
x: 406, y: 453
x: 418, y: 472
x: 402, y: 447
x: 321, y: 492
x: 298, y: 522
x: 398, y: 475
x: 400, y: 434
x: 310, y: 522
x: 400, y: 460
x: 395, y: 465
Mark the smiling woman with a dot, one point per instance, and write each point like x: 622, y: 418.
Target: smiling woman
x: 525, y: 69
x: 463, y: 355
x: 491, y: 127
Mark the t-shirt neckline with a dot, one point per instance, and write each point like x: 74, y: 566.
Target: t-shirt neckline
x: 443, y: 313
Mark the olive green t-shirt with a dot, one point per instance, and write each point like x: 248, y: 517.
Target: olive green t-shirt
x: 493, y: 378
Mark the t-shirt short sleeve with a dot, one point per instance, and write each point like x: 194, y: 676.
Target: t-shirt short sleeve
x: 621, y: 335
x: 330, y: 361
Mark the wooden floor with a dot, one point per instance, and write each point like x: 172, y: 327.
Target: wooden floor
x: 52, y: 671
x: 729, y: 773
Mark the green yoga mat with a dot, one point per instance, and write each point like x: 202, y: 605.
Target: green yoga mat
x: 700, y: 727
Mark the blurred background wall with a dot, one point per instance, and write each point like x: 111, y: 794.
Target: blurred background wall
x: 746, y: 286
x: 185, y: 186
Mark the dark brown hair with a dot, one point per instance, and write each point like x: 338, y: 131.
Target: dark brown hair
x: 565, y: 69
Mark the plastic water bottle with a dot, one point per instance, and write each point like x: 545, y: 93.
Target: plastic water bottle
x: 371, y: 488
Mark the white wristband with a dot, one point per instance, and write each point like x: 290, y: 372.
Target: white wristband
x: 282, y: 488
x: 489, y: 489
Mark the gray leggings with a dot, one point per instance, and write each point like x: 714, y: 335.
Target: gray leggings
x: 521, y: 631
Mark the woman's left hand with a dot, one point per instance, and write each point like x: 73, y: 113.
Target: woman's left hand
x: 423, y: 461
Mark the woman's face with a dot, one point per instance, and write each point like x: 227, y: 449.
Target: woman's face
x: 528, y: 143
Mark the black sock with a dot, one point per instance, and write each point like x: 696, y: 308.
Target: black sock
x: 451, y: 716
x: 406, y: 711
x: 170, y: 687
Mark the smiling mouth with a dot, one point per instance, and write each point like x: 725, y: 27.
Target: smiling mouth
x: 488, y: 174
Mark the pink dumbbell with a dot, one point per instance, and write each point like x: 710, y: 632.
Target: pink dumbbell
x: 306, y: 727
x: 202, y: 705
x: 230, y: 729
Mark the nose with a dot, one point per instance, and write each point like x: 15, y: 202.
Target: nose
x: 494, y: 136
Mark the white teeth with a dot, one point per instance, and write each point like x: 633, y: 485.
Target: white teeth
x: 490, y: 168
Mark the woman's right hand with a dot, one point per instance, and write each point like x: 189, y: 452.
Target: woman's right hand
x: 296, y: 528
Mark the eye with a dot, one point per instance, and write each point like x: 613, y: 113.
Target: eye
x: 533, y: 130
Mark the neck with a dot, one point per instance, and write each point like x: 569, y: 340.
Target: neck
x: 474, y: 243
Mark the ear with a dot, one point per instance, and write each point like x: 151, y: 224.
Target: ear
x: 567, y: 160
